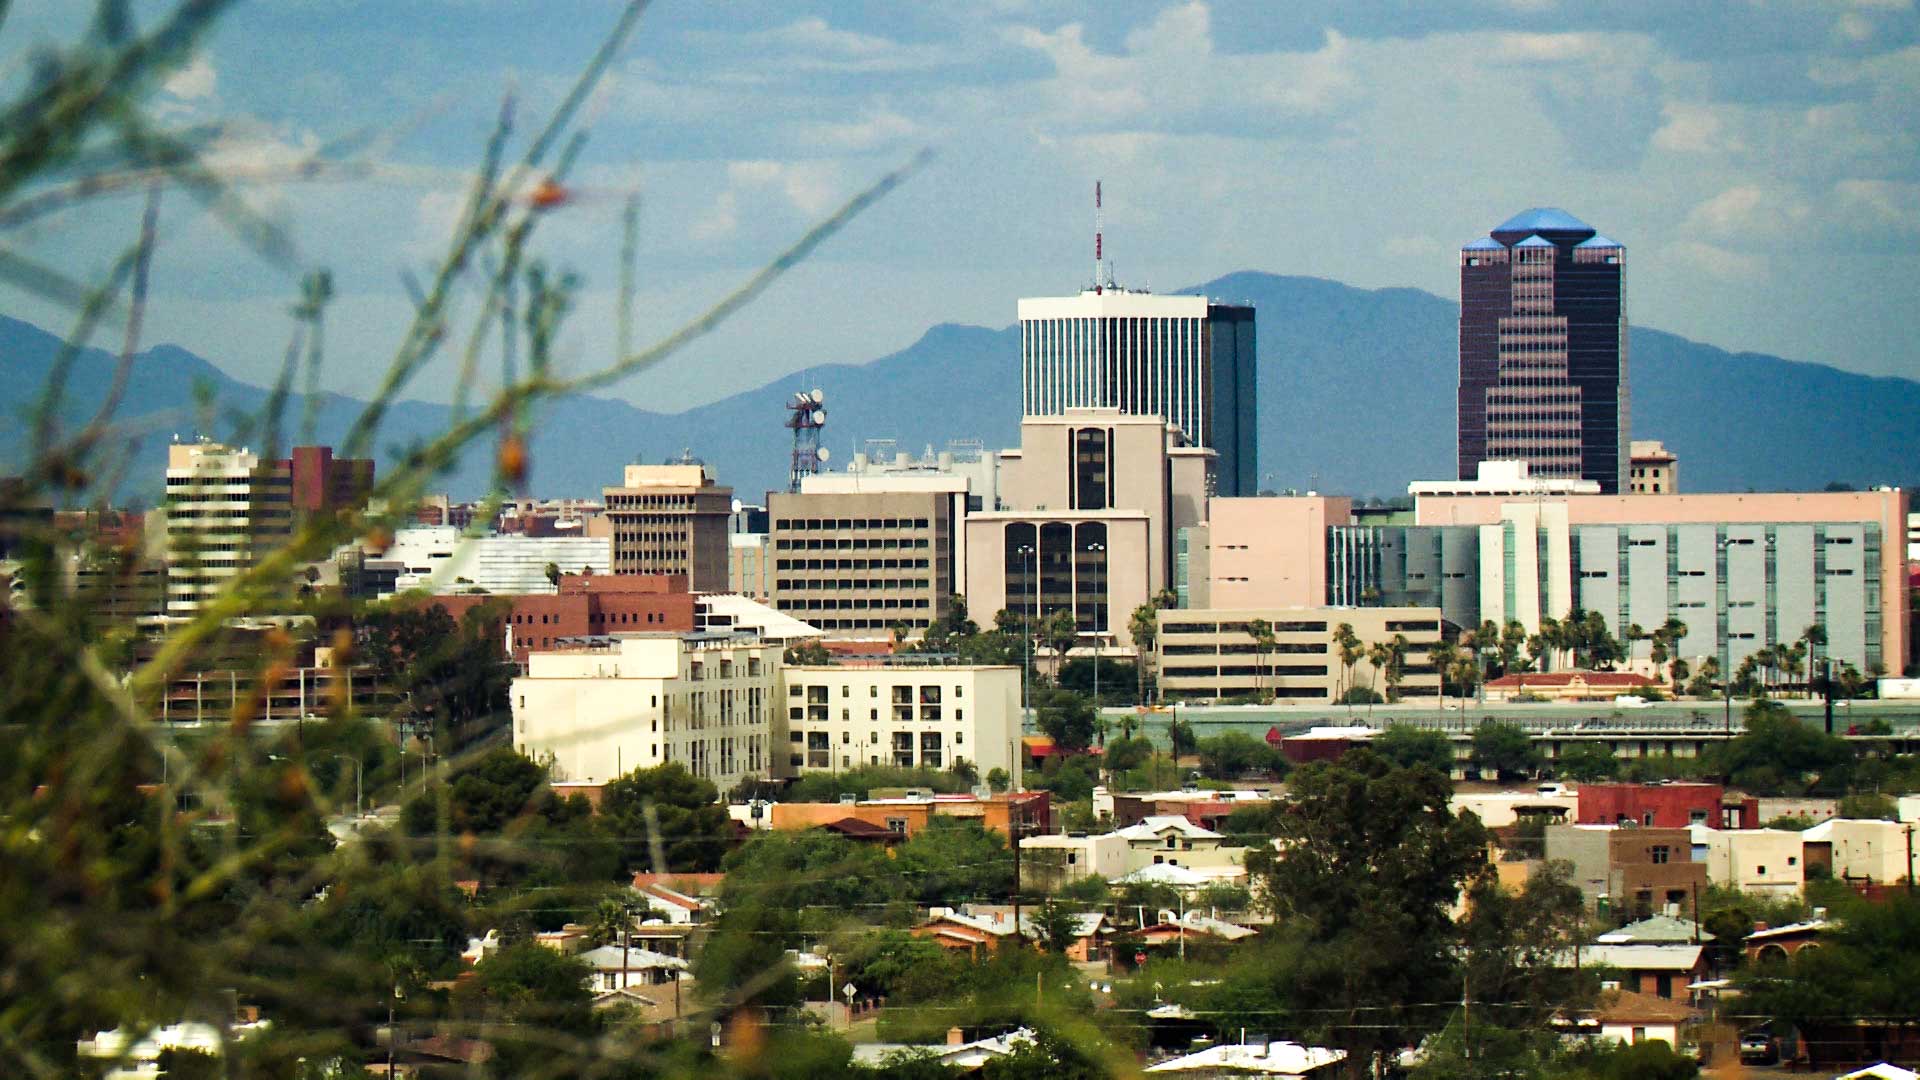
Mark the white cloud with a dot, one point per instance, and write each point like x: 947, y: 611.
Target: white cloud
x: 1718, y: 261
x: 193, y: 82
x: 719, y: 223
x: 875, y: 129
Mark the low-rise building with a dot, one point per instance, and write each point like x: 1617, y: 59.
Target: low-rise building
x: 1659, y: 970
x: 1766, y: 862
x: 1568, y: 686
x: 1665, y: 806
x: 844, y: 716
x: 1860, y: 850
x: 1628, y: 1017
x: 1176, y: 841
x: 1212, y: 653
x: 587, y: 605
x: 1028, y: 812
x: 1630, y: 871
x: 606, y: 706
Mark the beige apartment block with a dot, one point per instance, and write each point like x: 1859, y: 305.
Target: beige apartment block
x: 844, y: 716
x: 634, y: 701
x: 1654, y: 469
x: 857, y: 564
x: 225, y: 510
x: 1766, y: 862
x: 670, y: 519
x: 1271, y: 552
x: 750, y: 565
x: 1212, y: 653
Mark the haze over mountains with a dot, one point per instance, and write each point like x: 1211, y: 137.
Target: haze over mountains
x: 1356, y: 395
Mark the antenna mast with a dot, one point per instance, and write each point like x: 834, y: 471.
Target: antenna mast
x: 806, y: 417
x: 1096, y: 236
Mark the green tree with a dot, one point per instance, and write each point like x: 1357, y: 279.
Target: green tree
x: 452, y: 677
x: 1371, y: 853
x: 1351, y: 650
x: 1180, y: 738
x: 809, y: 653
x: 1054, y: 925
x: 1232, y: 754
x: 1586, y: 762
x: 1142, y: 626
x: 666, y: 815
x: 1775, y: 751
x: 998, y: 780
x: 951, y: 861
x: 1059, y: 632
x: 1407, y: 746
x: 1870, y: 805
x: 1066, y: 717
x: 1504, y: 749
x: 1261, y: 631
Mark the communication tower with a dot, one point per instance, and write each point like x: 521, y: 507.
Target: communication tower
x: 806, y: 415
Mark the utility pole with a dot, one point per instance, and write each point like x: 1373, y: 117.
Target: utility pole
x: 1909, y: 859
x: 1013, y: 832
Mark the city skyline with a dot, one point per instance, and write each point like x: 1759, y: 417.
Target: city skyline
x: 1759, y: 163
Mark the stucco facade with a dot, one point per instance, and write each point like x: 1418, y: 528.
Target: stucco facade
x: 845, y: 716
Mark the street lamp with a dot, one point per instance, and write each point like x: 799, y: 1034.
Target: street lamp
x: 358, y: 790
x: 1026, y: 672
x: 1097, y: 549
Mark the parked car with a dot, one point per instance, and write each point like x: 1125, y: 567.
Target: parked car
x: 1759, y: 1048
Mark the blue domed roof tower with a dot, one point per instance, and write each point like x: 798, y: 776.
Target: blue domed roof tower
x: 1543, y: 362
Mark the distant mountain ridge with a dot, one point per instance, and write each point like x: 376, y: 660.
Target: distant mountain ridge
x: 1356, y: 395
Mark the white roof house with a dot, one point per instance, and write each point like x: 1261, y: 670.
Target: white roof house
x: 960, y: 1055
x: 616, y: 968
x: 1278, y: 1059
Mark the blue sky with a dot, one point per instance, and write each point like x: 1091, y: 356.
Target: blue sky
x: 1760, y: 159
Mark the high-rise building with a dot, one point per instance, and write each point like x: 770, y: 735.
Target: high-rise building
x: 322, y: 482
x: 858, y: 563
x: 1543, y: 350
x: 1185, y: 359
x: 225, y: 510
x: 671, y: 519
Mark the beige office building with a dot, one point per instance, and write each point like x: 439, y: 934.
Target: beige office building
x: 1212, y: 653
x: 670, y: 519
x: 634, y: 701
x: 856, y: 564
x: 1654, y: 469
x: 1269, y: 552
x: 226, y: 509
x: 750, y: 565
x: 1094, y: 501
x: 845, y: 716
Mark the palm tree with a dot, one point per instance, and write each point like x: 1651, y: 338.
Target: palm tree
x: 1444, y: 656
x: 1261, y: 631
x: 1351, y: 652
x: 1396, y: 665
x: 1790, y: 658
x: 1710, y: 670
x: 1379, y: 656
x: 1466, y: 672
x: 1813, y: 637
x: 1143, y: 628
x: 1634, y: 634
x: 1512, y: 637
x: 1541, y: 645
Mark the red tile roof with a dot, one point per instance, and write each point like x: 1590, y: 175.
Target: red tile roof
x: 1549, y: 679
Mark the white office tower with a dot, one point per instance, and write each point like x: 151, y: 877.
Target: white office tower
x: 1186, y: 359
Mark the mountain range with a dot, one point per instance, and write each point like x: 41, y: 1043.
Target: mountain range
x: 1356, y: 392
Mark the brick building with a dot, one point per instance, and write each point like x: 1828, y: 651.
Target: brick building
x: 589, y: 605
x: 1665, y: 806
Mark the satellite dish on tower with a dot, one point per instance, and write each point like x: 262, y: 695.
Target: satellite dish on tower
x: 823, y: 454
x: 737, y: 504
x: 819, y: 416
x: 818, y: 395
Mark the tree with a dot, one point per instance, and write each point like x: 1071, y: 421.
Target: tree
x: 453, y: 677
x: 1056, y: 926
x: 667, y: 815
x: 1180, y: 738
x: 1506, y: 749
x: 809, y: 653
x: 1261, y: 631
x: 1231, y: 754
x: 1370, y: 853
x: 1143, y: 626
x: 1872, y: 806
x: 553, y: 574
x: 1775, y: 751
x: 1513, y: 942
x: 1067, y: 718
x: 998, y: 780
x: 1408, y: 746
x: 1586, y: 762
x: 951, y: 861
x: 1058, y: 631
x: 1350, y: 649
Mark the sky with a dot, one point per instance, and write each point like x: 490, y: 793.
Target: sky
x: 1760, y: 159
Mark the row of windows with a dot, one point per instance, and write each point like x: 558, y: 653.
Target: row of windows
x: 819, y: 740
x: 850, y: 584
x: 850, y: 564
x: 853, y: 544
x: 899, y: 693
x: 867, y: 624
x: 817, y: 603
x: 900, y: 713
x: 818, y: 524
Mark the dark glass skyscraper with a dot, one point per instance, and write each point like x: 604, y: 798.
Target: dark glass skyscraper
x: 1543, y: 350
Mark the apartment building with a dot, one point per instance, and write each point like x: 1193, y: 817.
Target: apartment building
x: 607, y: 706
x: 226, y: 508
x: 1212, y: 653
x: 670, y: 519
x: 911, y: 716
x: 858, y: 563
x: 1629, y: 870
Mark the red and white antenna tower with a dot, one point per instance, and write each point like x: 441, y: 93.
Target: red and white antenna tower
x: 1096, y: 236
x: 806, y: 415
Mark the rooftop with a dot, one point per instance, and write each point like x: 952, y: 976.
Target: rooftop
x: 1543, y: 219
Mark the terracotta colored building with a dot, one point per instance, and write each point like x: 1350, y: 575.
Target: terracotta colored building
x: 589, y: 605
x: 1033, y: 810
x: 324, y: 482
x: 1665, y: 806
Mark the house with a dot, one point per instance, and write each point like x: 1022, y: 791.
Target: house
x: 1629, y: 1017
x: 984, y: 927
x: 1882, y: 1071
x: 1202, y: 806
x: 1031, y: 812
x: 1780, y: 942
x: 1665, y: 806
x: 1857, y: 850
x: 1631, y: 871
x: 1193, y: 925
x: 1765, y: 862
x: 670, y: 905
x: 1568, y: 685
x: 958, y: 1053
x: 618, y: 967
x: 1179, y: 842
x: 135, y: 1054
x: 1657, y: 930
x: 1054, y: 859
x: 1659, y: 970
x: 1273, y: 1059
